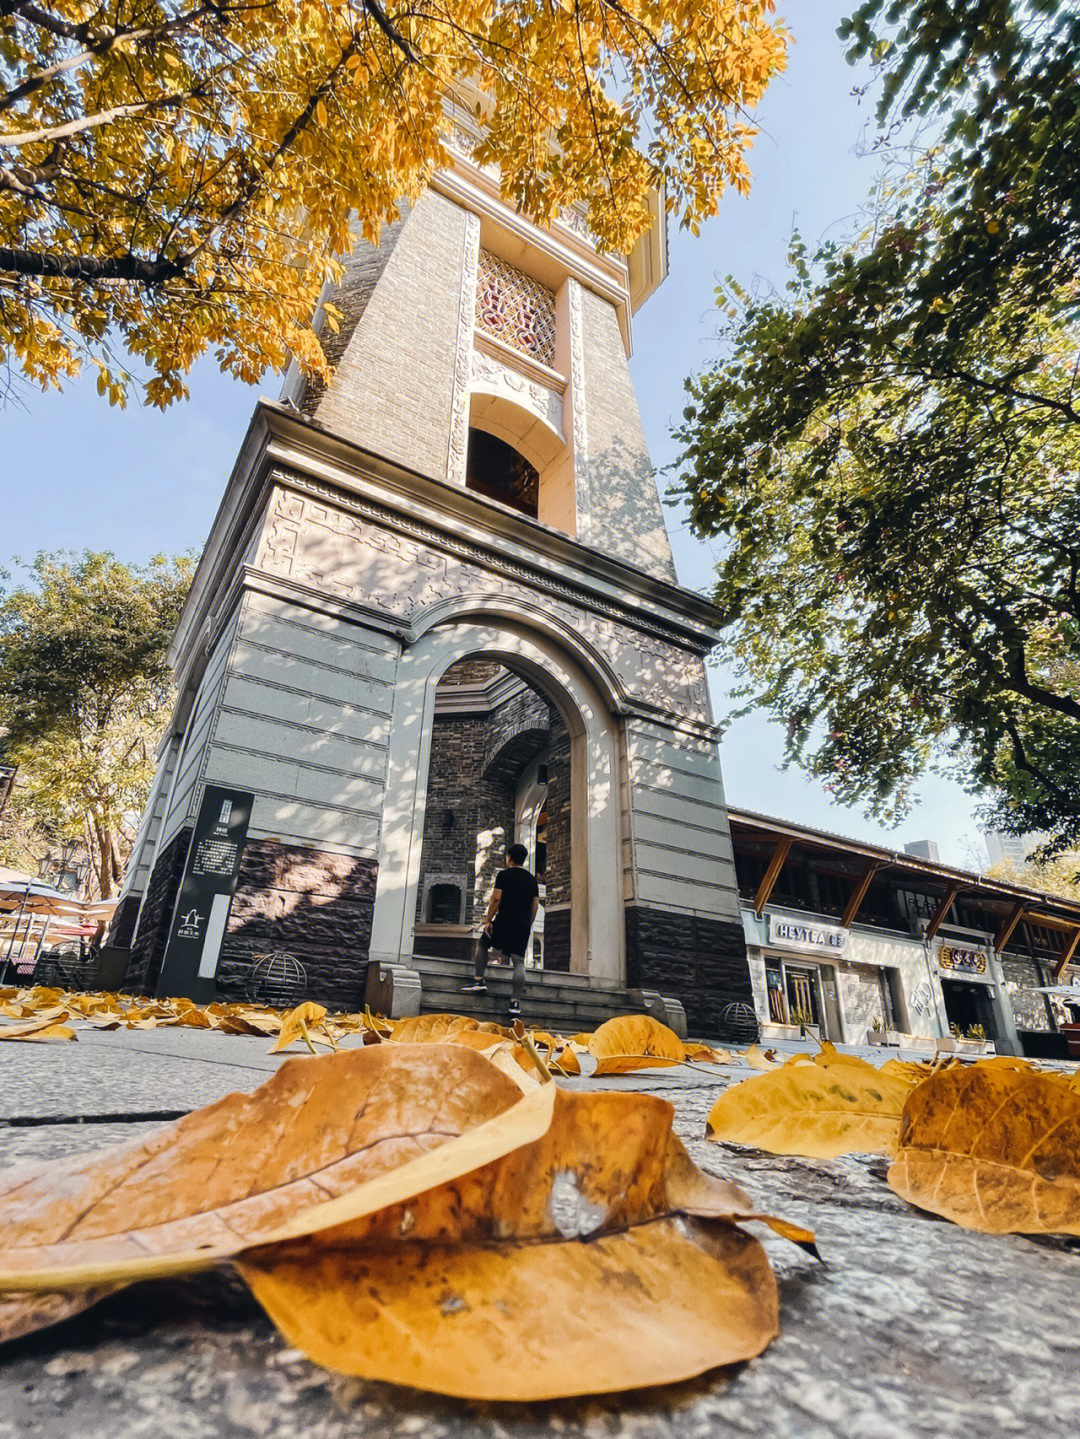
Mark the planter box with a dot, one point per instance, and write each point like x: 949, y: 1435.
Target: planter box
x: 779, y: 1031
x: 976, y: 1046
x: 947, y: 1045
x: 877, y: 1036
x: 811, y: 1031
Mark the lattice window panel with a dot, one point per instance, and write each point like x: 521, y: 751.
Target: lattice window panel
x: 515, y: 309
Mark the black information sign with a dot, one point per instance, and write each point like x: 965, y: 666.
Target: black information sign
x: 202, y: 906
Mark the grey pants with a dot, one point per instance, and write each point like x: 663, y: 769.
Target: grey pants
x: 480, y: 963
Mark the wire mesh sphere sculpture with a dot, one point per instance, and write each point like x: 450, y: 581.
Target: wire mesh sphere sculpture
x: 277, y: 978
x: 739, y: 1024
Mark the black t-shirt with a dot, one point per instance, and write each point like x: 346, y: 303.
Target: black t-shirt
x: 513, y: 919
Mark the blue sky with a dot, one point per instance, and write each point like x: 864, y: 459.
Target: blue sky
x: 75, y: 474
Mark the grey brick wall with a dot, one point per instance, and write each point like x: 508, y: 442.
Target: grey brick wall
x: 625, y: 515
x: 148, y: 947
x: 314, y: 904
x: 1022, y: 978
x: 393, y: 387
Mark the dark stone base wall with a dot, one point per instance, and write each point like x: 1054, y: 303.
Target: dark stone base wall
x: 694, y: 958
x: 122, y: 929
x: 316, y: 905
x: 557, y: 940
x: 148, y: 946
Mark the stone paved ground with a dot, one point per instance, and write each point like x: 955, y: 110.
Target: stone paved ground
x: 911, y: 1327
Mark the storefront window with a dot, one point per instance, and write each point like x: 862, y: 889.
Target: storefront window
x: 774, y: 988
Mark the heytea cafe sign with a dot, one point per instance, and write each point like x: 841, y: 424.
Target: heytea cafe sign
x: 802, y: 934
x: 211, y: 871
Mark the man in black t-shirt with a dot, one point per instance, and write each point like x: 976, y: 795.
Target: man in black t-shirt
x: 508, y: 923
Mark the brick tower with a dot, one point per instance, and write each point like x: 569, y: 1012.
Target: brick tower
x: 438, y: 610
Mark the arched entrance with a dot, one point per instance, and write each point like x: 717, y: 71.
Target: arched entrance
x: 596, y: 944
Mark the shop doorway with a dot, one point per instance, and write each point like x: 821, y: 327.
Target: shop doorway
x: 795, y: 994
x: 967, y: 1004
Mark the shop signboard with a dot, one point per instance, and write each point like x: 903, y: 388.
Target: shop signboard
x: 806, y: 935
x: 957, y: 959
x: 211, y: 871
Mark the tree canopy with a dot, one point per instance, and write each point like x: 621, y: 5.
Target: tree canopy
x: 890, y: 448
x: 84, y: 694
x: 178, y: 176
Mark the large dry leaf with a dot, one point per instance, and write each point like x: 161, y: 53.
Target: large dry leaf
x: 758, y: 1060
x: 294, y: 1154
x: 661, y: 1303
x: 41, y: 1031
x: 634, y: 1041
x: 818, y: 1110
x: 573, y: 1264
x: 994, y: 1148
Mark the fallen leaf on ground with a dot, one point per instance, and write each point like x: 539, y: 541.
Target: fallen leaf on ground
x: 564, y: 1267
x: 993, y: 1148
x: 238, y: 1171
x: 705, y: 1054
x: 818, y: 1110
x: 756, y: 1060
x: 564, y: 1245
x: 301, y: 1023
x: 634, y: 1041
x: 41, y: 1031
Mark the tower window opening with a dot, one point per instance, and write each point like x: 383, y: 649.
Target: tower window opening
x: 496, y: 470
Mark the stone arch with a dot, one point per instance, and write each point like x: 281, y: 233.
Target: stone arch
x: 487, y: 608
x: 530, y: 421
x: 531, y: 432
x: 597, y: 928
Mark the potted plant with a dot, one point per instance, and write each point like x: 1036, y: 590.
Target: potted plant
x: 976, y: 1042
x: 876, y: 1033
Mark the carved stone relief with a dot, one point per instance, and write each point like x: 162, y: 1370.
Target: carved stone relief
x: 576, y: 400
x: 546, y: 404
x: 354, y: 558
x: 459, y: 404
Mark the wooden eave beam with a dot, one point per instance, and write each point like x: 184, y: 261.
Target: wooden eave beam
x: 937, y: 919
x: 858, y: 894
x: 1012, y: 919
x: 1067, y: 954
x: 772, y: 874
x: 1049, y: 921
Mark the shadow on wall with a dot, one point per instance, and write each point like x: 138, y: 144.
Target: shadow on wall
x: 622, y: 499
x: 315, y: 905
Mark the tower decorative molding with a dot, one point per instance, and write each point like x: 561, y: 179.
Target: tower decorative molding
x: 459, y: 418
x: 578, y: 408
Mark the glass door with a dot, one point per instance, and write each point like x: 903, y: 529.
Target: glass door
x: 804, y: 1004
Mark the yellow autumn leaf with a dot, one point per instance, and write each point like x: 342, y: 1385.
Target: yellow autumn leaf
x: 818, y: 1110
x: 40, y: 1031
x: 634, y: 1041
x: 209, y: 1185
x: 756, y: 1059
x: 297, y: 1024
x: 994, y: 1148
x: 499, y: 1284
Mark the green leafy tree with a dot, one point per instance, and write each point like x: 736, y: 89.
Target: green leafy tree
x: 889, y: 450
x: 84, y: 694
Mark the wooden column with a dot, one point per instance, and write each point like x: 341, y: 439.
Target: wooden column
x: 1005, y: 933
x: 938, y: 916
x: 772, y: 874
x: 1067, y: 954
x: 858, y: 894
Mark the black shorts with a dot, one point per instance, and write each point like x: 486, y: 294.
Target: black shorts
x: 490, y: 941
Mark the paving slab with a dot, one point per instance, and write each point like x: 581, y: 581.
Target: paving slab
x: 911, y: 1329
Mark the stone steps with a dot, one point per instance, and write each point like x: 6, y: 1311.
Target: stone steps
x: 553, y: 1000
